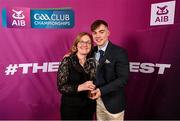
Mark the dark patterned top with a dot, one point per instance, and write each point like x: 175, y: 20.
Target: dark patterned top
x: 71, y: 74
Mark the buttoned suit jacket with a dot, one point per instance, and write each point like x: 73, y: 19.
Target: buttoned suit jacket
x: 111, y: 77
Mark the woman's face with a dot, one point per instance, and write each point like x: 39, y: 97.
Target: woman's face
x: 84, y: 45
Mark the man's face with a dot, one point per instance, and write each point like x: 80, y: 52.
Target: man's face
x: 100, y: 35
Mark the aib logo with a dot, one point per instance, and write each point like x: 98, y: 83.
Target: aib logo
x: 16, y: 17
x: 162, y: 10
x: 162, y: 13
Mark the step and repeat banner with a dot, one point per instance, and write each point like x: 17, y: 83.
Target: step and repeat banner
x: 35, y: 35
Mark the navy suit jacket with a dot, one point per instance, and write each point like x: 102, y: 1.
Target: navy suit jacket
x: 111, y: 77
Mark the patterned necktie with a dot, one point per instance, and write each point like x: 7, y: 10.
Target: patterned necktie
x: 101, y: 52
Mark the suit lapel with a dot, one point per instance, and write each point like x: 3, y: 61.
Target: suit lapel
x: 106, y: 54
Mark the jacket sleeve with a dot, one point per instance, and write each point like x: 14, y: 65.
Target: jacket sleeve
x: 90, y: 68
x: 121, y: 70
x: 63, y: 82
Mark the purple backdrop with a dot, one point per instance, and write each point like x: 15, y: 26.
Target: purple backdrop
x: 34, y: 95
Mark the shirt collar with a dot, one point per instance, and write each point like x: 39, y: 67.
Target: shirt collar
x: 103, y: 47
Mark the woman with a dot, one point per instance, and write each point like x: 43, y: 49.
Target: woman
x: 75, y: 79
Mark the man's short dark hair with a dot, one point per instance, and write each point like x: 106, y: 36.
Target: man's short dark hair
x: 97, y: 23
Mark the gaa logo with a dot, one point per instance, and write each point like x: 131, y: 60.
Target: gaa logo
x: 162, y: 13
x: 52, y: 18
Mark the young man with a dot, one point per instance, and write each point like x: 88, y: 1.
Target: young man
x: 111, y: 76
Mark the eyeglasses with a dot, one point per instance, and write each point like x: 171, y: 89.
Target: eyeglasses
x: 82, y: 42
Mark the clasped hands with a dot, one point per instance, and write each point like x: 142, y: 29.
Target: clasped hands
x: 93, y: 93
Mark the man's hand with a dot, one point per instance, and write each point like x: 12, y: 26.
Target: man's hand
x: 95, y: 94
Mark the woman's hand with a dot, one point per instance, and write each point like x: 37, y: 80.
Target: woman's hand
x: 88, y: 85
